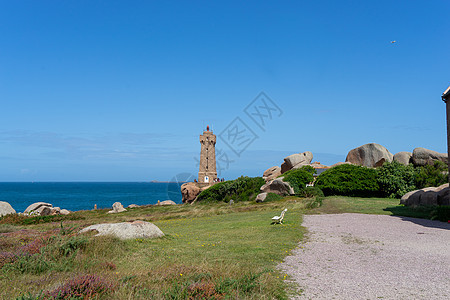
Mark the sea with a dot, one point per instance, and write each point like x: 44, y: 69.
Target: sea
x: 76, y: 196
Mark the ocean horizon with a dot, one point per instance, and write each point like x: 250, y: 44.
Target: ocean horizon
x: 76, y: 196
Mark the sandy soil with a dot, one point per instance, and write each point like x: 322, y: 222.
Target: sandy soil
x: 357, y: 256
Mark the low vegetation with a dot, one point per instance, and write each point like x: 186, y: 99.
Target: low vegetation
x: 431, y: 175
x: 241, y: 189
x: 391, y: 180
x: 210, y: 251
x: 299, y: 178
x: 349, y: 180
x: 396, y: 179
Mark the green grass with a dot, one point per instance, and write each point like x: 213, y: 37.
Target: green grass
x: 209, y: 251
x: 379, y: 206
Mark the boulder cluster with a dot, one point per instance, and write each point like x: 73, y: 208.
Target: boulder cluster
x: 274, y: 180
x: 35, y: 209
x: 117, y: 207
x: 374, y: 155
x: 44, y: 209
x: 369, y: 155
x: 427, y: 196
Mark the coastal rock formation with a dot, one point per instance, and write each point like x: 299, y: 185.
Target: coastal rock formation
x: 422, y: 157
x: 167, y: 202
x: 278, y: 186
x: 35, y: 206
x: 127, y: 230
x: 296, y: 161
x: 271, y: 173
x: 132, y: 206
x: 369, y: 155
x: 64, y: 212
x: 403, y: 157
x: 318, y: 165
x: 380, y: 162
x: 6, y: 209
x: 189, y: 192
x: 427, y: 196
x: 341, y: 163
x: 117, y: 208
x: 261, y: 197
x: 44, y: 209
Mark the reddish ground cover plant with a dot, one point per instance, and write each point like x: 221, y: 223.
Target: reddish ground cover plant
x: 81, y: 287
x: 20, y: 243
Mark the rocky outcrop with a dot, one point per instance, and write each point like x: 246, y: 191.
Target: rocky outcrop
x: 167, y: 202
x: 296, y: 161
x: 127, y: 230
x: 117, y: 208
x: 271, y: 173
x: 427, y: 196
x: 133, y: 206
x: 35, y: 206
x: 422, y: 157
x: 44, y: 209
x: 403, y: 157
x: 369, y: 155
x: 64, y: 212
x: 261, y: 197
x: 278, y: 186
x: 189, y: 191
x: 6, y: 209
x: 318, y: 165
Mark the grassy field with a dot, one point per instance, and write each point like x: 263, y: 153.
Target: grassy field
x: 379, y: 206
x: 209, y: 251
x: 213, y: 251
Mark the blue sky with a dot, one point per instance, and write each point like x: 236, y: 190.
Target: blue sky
x: 120, y: 90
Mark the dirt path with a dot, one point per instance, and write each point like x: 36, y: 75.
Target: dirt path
x: 357, y: 256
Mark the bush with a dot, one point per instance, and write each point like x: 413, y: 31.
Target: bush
x: 241, y: 189
x: 299, y: 178
x: 314, y: 196
x: 349, y: 180
x: 396, y: 179
x: 311, y: 192
x: 441, y: 213
x: 431, y: 175
x: 81, y: 287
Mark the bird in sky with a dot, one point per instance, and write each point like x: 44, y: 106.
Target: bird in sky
x: 393, y: 42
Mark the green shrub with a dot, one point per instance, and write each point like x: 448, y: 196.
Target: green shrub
x: 241, y: 189
x: 349, y: 180
x: 314, y: 196
x: 299, y: 178
x: 431, y: 175
x: 441, y: 213
x: 396, y: 179
x: 311, y: 192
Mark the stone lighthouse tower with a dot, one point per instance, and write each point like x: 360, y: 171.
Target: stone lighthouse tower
x: 207, y: 173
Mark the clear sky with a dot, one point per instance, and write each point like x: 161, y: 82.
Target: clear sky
x: 121, y: 90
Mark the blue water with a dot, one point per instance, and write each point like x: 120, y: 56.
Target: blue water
x: 83, y: 195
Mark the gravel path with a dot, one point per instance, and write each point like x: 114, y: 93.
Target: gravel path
x: 356, y: 256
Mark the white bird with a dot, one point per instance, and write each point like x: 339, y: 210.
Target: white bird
x: 392, y: 42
